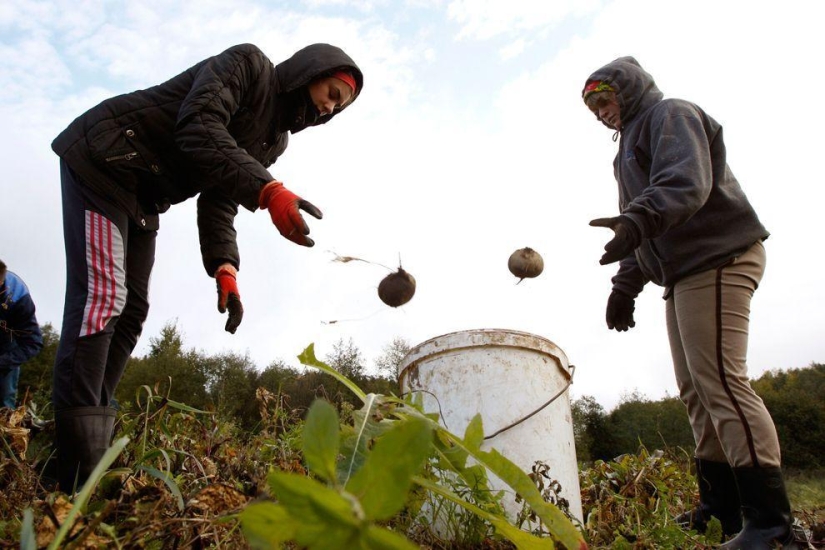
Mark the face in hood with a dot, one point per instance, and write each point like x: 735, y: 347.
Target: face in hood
x: 294, y: 75
x: 634, y: 87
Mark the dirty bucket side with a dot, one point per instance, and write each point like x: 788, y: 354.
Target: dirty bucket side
x: 518, y: 383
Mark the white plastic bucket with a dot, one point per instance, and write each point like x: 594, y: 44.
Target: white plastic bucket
x: 506, y: 376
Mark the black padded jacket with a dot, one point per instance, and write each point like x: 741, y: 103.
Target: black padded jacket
x: 210, y: 131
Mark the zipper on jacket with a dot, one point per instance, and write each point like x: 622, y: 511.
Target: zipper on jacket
x: 127, y: 156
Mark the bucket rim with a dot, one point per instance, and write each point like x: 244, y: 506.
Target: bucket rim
x: 512, y: 338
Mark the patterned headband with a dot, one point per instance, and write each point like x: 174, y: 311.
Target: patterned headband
x: 595, y: 87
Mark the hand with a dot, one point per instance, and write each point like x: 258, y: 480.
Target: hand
x: 283, y: 206
x: 626, y: 238
x: 228, y: 296
x: 620, y: 309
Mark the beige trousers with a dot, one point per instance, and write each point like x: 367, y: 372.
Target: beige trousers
x: 707, y: 323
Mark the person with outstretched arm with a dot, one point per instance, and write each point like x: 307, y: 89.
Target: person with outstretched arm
x: 686, y: 225
x: 212, y: 132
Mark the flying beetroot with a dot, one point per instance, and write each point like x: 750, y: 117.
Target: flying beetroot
x: 396, y: 289
x: 525, y: 263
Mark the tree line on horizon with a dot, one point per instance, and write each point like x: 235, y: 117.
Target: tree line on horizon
x: 227, y: 383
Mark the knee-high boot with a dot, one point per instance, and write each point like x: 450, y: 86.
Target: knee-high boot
x: 765, y: 509
x: 718, y: 497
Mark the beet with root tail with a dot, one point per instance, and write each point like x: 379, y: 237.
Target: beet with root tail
x: 525, y: 263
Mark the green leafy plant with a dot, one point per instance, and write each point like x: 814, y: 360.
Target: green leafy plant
x: 365, y: 473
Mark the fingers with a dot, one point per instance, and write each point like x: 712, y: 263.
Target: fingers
x: 612, y: 255
x: 618, y: 248
x: 617, y: 323
x: 299, y: 230
x: 302, y: 240
x: 297, y: 223
x: 286, y: 216
x: 235, y: 313
x: 603, y: 222
x: 310, y: 209
x: 221, y: 300
x: 622, y: 324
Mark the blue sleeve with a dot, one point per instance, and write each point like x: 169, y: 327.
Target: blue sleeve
x: 22, y: 323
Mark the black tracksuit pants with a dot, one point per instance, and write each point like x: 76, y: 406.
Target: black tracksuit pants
x: 109, y: 261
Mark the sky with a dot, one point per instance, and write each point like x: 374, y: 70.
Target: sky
x: 468, y: 142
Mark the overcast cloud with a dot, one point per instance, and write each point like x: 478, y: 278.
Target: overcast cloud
x: 469, y: 141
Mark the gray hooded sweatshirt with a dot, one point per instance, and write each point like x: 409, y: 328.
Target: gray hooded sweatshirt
x: 674, y: 184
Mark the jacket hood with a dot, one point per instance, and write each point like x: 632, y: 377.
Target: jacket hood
x: 635, y: 89
x: 305, y: 65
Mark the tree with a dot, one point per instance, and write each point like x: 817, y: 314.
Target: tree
x: 276, y: 376
x: 36, y: 373
x: 168, y: 367
x: 388, y: 363
x: 655, y: 424
x: 169, y: 343
x: 346, y: 358
x: 231, y: 383
x: 593, y: 439
x: 794, y: 399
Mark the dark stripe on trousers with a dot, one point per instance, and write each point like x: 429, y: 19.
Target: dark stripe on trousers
x: 720, y: 365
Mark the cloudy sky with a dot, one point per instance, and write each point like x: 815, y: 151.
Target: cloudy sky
x: 469, y: 141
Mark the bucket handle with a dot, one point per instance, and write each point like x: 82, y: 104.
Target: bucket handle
x: 559, y: 394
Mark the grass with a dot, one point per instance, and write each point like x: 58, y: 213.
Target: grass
x: 806, y: 491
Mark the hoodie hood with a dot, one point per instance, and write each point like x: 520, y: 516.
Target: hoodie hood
x: 635, y: 89
x: 294, y: 74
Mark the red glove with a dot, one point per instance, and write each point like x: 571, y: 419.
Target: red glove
x: 228, y: 296
x: 283, y: 206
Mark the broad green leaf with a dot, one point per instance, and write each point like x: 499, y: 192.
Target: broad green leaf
x: 321, y: 439
x: 308, y: 358
x: 383, y: 482
x: 311, y: 502
x: 378, y: 538
x: 354, y: 447
x: 267, y: 525
x: 455, y: 456
x: 474, y: 433
x: 522, y: 539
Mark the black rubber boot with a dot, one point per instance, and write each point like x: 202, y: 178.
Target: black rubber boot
x: 83, y: 435
x: 765, y: 509
x: 718, y: 497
